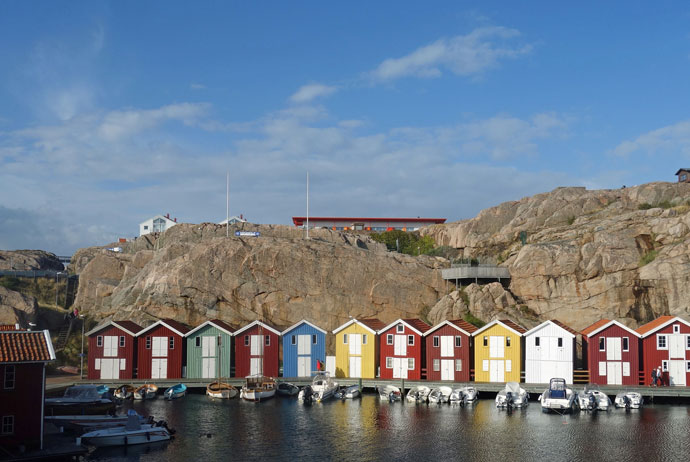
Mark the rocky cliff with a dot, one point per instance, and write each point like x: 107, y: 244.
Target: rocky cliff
x: 28, y: 260
x: 622, y: 254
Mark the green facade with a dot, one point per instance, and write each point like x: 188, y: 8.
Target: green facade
x: 205, y: 358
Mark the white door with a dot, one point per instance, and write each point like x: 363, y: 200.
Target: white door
x: 496, y: 370
x: 159, y: 347
x: 614, y: 373
x: 355, y: 367
x: 256, y: 345
x: 400, y: 345
x: 497, y: 347
x: 159, y: 368
x: 447, y: 369
x: 355, y: 344
x: 399, y: 368
x: 676, y: 346
x: 447, y: 344
x: 676, y: 373
x: 255, y: 366
x: 110, y: 346
x: 208, y: 346
x: 208, y: 368
x: 613, y: 349
x: 303, y: 366
x: 110, y: 368
x: 304, y: 344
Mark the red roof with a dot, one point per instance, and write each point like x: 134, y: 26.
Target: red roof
x: 464, y: 325
x: 220, y: 323
x: 131, y: 326
x: 9, y: 327
x: 176, y: 325
x: 299, y: 221
x: 513, y: 326
x: 654, y: 325
x: 373, y: 324
x: 25, y: 346
x: 418, y: 324
x: 588, y: 330
x: 569, y: 329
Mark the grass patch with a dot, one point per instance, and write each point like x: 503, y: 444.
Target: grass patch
x: 469, y: 317
x: 571, y: 219
x: 661, y: 205
x: 647, y: 258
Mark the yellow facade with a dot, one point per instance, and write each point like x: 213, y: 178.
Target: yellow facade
x: 497, y: 355
x: 356, y: 348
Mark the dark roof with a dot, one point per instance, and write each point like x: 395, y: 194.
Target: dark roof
x: 373, y: 324
x: 25, y: 346
x: 464, y: 325
x: 418, y: 324
x: 176, y: 325
x: 683, y: 170
x: 220, y: 323
x: 589, y: 329
x: 131, y: 326
x: 569, y: 329
x: 513, y: 326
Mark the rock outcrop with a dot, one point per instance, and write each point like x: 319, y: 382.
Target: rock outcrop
x: 16, y: 308
x: 29, y: 260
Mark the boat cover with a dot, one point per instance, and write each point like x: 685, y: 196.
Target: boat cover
x: 513, y: 387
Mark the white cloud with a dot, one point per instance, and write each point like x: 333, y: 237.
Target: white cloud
x: 463, y: 55
x: 309, y: 92
x: 670, y: 139
x: 197, y: 86
x: 117, y: 124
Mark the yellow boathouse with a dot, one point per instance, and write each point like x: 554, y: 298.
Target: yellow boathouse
x: 498, y: 352
x: 357, y: 349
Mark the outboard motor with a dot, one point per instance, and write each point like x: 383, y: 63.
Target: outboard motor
x: 463, y: 399
x: 591, y: 402
x: 627, y: 401
x: 509, y: 400
x: 308, y: 394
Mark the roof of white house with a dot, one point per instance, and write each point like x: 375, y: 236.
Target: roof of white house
x: 560, y: 325
x: 158, y: 216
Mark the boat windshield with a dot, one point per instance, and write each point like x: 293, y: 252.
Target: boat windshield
x: 513, y: 387
x: 592, y: 387
x: 83, y: 392
x: 557, y: 384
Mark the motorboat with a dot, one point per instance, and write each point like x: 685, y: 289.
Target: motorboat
x: 287, y: 389
x: 593, y: 399
x: 176, y: 391
x: 558, y: 397
x: 513, y: 396
x: 258, y: 388
x: 82, y: 422
x: 146, y: 391
x: 221, y: 390
x: 389, y: 392
x: 440, y: 395
x: 102, y: 389
x: 629, y: 400
x: 350, y: 392
x: 80, y: 400
x: 322, y: 388
x: 418, y: 394
x: 133, y: 432
x: 471, y: 394
x: 124, y: 392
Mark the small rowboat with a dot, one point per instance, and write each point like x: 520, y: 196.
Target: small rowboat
x: 221, y: 390
x: 176, y: 391
x: 146, y: 391
x: 287, y: 389
x: 124, y: 392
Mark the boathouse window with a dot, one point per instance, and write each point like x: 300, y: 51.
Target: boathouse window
x: 267, y: 340
x: 676, y: 328
x: 664, y: 366
x: 389, y: 339
x: 171, y: 343
x: 344, y: 338
x: 560, y: 342
x: 536, y: 341
x: 626, y: 369
x: 9, y: 377
x: 7, y: 424
x: 687, y: 342
x: 687, y: 366
x: 97, y: 364
x: 293, y: 340
x: 122, y: 341
x: 626, y: 344
x: 683, y: 177
x: 99, y: 341
x: 246, y: 340
x: 661, y: 342
x: 400, y: 328
x: 364, y: 339
x: 148, y: 342
x: 197, y: 341
x: 602, y: 343
x: 410, y: 339
x: 436, y: 341
x: 313, y: 339
x: 123, y: 364
x: 507, y: 341
x: 602, y: 368
x: 410, y: 364
x: 389, y: 363
x: 437, y: 365
x: 458, y: 365
x: 486, y: 341
x: 458, y: 341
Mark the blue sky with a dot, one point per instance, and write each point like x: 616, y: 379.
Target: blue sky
x: 112, y: 112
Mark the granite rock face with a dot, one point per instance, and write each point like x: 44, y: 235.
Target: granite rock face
x: 16, y: 308
x: 29, y: 260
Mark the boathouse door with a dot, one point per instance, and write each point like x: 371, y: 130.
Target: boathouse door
x: 208, y: 360
x: 400, y: 345
x: 256, y: 366
x: 355, y: 367
x: 496, y: 370
x: 110, y: 368
x: 303, y: 366
x: 447, y: 369
x: 159, y: 368
x: 304, y: 355
x: 614, y: 373
x: 676, y: 373
x: 400, y: 368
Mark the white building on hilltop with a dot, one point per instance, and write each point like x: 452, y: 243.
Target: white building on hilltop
x: 156, y: 224
x: 233, y: 220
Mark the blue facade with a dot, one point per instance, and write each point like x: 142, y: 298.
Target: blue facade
x: 303, y: 345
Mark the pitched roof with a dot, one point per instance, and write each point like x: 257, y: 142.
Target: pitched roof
x: 604, y: 324
x: 173, y: 325
x: 460, y: 324
x: 557, y: 323
x: 506, y: 322
x: 259, y: 323
x: 215, y: 322
x: 130, y: 327
x: 682, y: 169
x: 303, y: 321
x: 416, y: 325
x: 589, y: 329
x: 658, y: 323
x: 373, y: 324
x: 514, y: 326
x: 26, y: 347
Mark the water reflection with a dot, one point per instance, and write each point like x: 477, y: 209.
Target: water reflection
x: 367, y: 429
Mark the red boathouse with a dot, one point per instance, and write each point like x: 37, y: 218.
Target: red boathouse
x: 112, y: 350
x: 449, y: 351
x: 611, y: 352
x: 666, y: 343
x: 257, y: 347
x: 401, y: 349
x: 23, y: 358
x: 161, y: 350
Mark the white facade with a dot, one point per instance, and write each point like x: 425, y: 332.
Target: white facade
x: 549, y: 353
x: 156, y: 224
x: 233, y: 220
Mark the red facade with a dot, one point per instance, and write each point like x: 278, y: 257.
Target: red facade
x: 612, y: 353
x: 401, y: 347
x: 161, y: 351
x: 112, y: 352
x: 437, y: 352
x: 672, y: 353
x: 257, y: 348
x: 24, y: 402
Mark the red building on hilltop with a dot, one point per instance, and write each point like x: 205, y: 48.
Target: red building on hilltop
x: 23, y: 357
x: 666, y: 343
x: 112, y: 350
x: 161, y: 350
x: 401, y: 349
x: 449, y: 351
x: 611, y: 352
x: 257, y: 347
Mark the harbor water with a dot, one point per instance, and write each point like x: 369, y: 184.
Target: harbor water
x: 368, y: 429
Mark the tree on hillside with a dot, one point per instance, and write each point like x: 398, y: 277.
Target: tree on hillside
x: 404, y: 242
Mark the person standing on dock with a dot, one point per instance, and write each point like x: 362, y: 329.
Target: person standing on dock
x: 659, y: 377
x: 654, y: 378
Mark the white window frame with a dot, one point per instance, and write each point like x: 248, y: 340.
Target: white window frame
x: 171, y: 343
x: 537, y: 343
x: 676, y: 328
x: 314, y: 339
x: 560, y: 342
x: 389, y: 339
x: 400, y: 328
x: 437, y: 365
x: 486, y: 341
x: 293, y: 340
x: 458, y: 365
x: 626, y: 369
x: 148, y: 342
x: 602, y: 343
x: 99, y: 341
x: 197, y: 341
x: 267, y: 340
x: 345, y: 339
x: 658, y: 339
x: 410, y: 340
x: 508, y: 341
x: 602, y: 368
x: 625, y: 344
x: 410, y: 364
x: 664, y: 366
x: 7, y: 421
x: 458, y: 341
x: 389, y: 362
x: 122, y: 341
x: 246, y: 340
x: 10, y: 377
x: 97, y: 364
x: 485, y: 365
x: 123, y: 364
x: 687, y: 366
x: 687, y: 342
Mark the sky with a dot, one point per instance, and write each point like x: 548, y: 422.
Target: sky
x: 114, y: 112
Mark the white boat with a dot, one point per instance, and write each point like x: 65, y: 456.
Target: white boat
x: 559, y: 397
x: 146, y: 391
x: 629, y: 400
x: 390, y: 393
x: 458, y: 396
x: 80, y: 399
x: 471, y: 394
x: 322, y: 388
x: 258, y: 388
x: 440, y: 395
x: 133, y: 432
x: 81, y: 422
x: 418, y: 394
x: 350, y: 392
x: 124, y: 392
x: 176, y: 391
x: 593, y: 399
x: 512, y: 396
x: 220, y: 390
